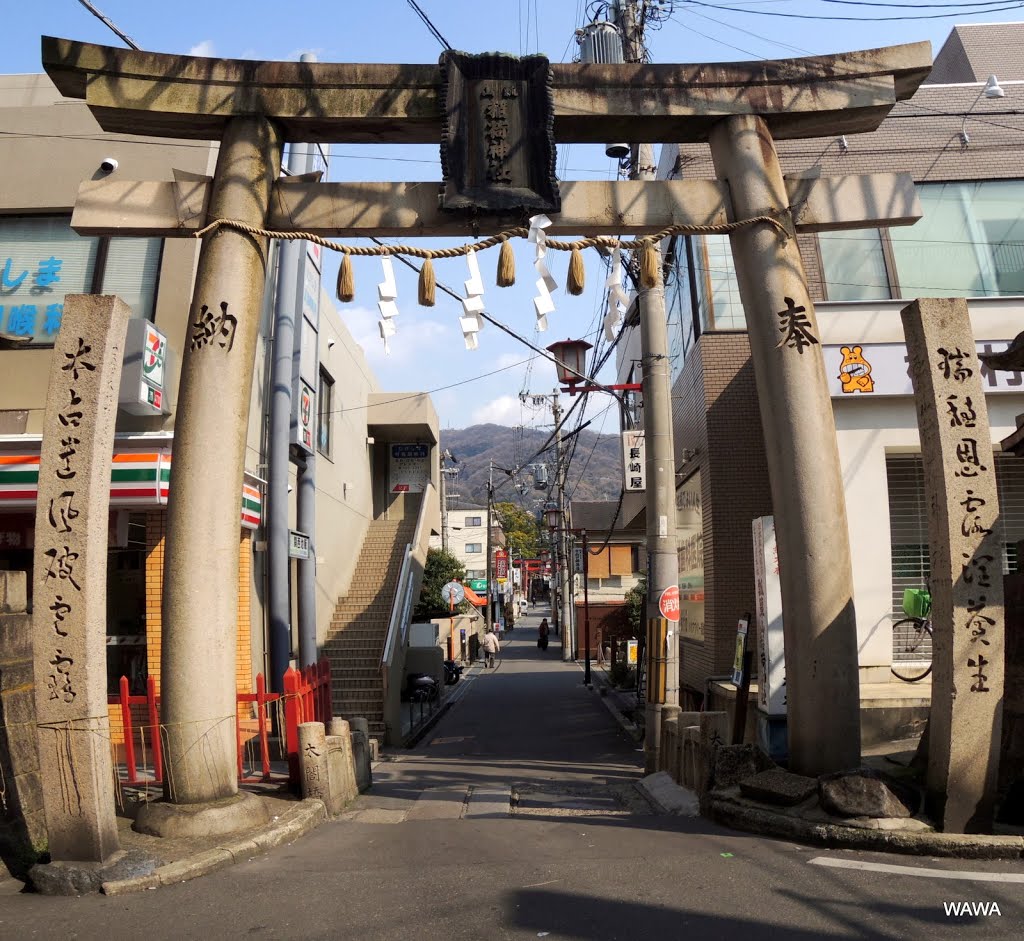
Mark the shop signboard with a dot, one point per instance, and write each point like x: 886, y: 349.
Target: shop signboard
x: 410, y: 468
x: 741, y: 649
x: 690, y: 529
x: 771, y: 648
x: 306, y: 417
x: 143, y: 371
x: 882, y: 369
x: 501, y: 564
x: 634, y: 461
x: 298, y: 545
x: 478, y: 584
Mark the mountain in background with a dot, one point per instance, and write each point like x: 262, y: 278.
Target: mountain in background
x: 594, y: 468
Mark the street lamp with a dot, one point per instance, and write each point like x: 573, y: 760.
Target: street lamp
x: 571, y: 359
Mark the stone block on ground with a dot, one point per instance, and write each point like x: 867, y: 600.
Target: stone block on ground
x: 867, y: 793
x: 343, y: 766
x: 776, y: 786
x: 736, y: 763
x: 669, y: 796
x: 361, y: 752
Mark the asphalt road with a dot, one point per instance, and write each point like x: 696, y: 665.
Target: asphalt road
x: 436, y: 850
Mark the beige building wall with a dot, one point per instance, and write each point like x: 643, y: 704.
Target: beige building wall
x: 870, y: 428
x: 49, y: 146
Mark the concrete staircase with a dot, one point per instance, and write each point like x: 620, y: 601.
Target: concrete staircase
x: 358, y: 630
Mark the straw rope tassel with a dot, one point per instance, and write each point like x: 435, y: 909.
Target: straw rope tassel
x: 577, y: 274
x: 648, y: 264
x: 346, y: 280
x: 428, y: 284
x: 506, y: 265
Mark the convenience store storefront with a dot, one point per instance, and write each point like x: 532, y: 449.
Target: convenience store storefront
x: 139, y: 488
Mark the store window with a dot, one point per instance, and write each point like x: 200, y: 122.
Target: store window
x: 126, y: 604
x: 854, y: 265
x: 325, y: 413
x: 968, y: 243
x: 718, y: 291
x: 42, y: 260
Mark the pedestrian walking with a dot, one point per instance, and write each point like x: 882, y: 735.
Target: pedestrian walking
x: 491, y: 646
x: 542, y: 635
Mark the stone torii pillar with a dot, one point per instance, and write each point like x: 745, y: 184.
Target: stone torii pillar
x: 823, y: 693
x: 201, y: 556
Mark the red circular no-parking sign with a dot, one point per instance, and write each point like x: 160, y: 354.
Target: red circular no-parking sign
x: 668, y: 603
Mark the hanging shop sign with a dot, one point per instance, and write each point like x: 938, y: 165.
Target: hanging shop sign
x: 305, y: 425
x: 634, y: 461
x: 882, y: 369
x: 410, y: 468
x: 501, y: 564
x: 143, y: 371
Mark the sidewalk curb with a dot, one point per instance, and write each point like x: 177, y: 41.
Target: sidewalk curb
x: 628, y: 727
x: 729, y: 813
x: 305, y: 816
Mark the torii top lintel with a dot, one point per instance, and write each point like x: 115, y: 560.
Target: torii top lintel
x: 177, y: 96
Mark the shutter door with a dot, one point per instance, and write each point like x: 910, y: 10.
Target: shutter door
x: 908, y: 519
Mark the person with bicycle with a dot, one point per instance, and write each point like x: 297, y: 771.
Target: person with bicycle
x: 491, y: 646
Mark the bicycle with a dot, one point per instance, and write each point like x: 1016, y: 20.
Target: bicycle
x: 912, y: 638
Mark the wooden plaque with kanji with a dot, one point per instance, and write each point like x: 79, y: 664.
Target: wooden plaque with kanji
x: 497, y: 143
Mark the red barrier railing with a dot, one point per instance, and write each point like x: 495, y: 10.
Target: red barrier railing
x: 307, y: 698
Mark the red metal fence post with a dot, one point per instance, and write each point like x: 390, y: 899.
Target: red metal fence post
x: 292, y: 708
x: 154, y: 724
x: 129, y: 736
x: 261, y: 716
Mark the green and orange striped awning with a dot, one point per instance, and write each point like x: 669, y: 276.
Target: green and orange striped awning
x: 137, y: 478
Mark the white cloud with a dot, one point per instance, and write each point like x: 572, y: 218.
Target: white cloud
x: 415, y: 335
x: 504, y: 410
x: 204, y: 48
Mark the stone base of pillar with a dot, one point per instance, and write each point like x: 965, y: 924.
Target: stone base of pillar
x: 655, y: 713
x: 65, y: 877
x: 241, y: 811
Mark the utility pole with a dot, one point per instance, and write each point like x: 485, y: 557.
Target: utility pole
x: 488, y: 620
x: 561, y: 539
x: 662, y: 557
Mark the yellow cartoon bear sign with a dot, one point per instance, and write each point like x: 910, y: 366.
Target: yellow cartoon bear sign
x: 855, y: 371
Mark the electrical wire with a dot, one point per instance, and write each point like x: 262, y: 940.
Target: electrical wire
x: 430, y: 26
x: 854, y: 19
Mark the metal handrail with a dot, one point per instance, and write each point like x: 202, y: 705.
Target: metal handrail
x: 403, y: 590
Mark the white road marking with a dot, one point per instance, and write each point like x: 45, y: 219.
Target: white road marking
x: 921, y: 873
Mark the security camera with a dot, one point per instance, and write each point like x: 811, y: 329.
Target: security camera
x: 108, y: 164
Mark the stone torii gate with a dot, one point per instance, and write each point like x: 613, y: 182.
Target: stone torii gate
x: 253, y: 107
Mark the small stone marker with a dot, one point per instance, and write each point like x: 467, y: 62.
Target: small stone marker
x: 966, y: 564
x: 70, y: 580
x: 313, y: 760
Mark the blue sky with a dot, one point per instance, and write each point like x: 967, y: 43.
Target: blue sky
x: 428, y: 352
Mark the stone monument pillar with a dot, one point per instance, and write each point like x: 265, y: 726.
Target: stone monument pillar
x: 200, y: 601
x: 70, y: 579
x: 808, y: 500
x: 965, y: 539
